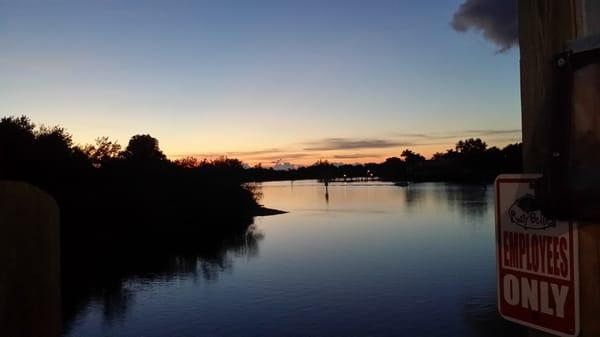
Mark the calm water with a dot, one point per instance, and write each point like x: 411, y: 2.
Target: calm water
x: 365, y: 260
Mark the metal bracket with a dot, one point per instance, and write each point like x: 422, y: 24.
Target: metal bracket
x: 555, y: 189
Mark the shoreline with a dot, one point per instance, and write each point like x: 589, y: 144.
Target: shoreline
x: 265, y: 211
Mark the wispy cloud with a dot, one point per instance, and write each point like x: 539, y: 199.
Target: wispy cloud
x: 495, y: 19
x: 350, y: 148
x: 355, y: 156
x: 230, y: 153
x: 48, y: 60
x: 489, y: 132
x: 331, y: 144
x: 253, y: 153
x: 420, y: 138
x: 508, y: 140
x: 282, y: 156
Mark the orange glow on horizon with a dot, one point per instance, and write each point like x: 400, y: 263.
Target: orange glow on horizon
x: 273, y: 158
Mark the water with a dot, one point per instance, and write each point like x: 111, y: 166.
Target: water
x: 368, y: 259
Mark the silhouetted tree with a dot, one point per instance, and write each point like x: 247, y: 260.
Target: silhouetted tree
x: 473, y: 156
x: 16, y: 145
x: 392, y: 168
x: 223, y: 169
x: 104, y: 194
x: 512, y: 156
x: 54, y: 152
x: 471, y: 146
x: 147, y: 191
x: 412, y: 158
x: 143, y: 148
x: 103, y: 151
x: 393, y: 161
x: 187, y: 162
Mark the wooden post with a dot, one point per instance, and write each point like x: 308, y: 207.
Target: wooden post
x: 29, y: 262
x: 545, y: 26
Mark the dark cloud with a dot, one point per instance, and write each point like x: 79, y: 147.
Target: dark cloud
x: 330, y: 144
x: 495, y: 19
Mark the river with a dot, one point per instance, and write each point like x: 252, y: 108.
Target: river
x: 357, y: 259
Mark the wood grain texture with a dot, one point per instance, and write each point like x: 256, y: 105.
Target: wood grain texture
x: 544, y: 28
x: 589, y: 23
x: 585, y: 142
x: 29, y: 262
x: 589, y: 278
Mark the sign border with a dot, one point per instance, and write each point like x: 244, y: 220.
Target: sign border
x: 526, y: 178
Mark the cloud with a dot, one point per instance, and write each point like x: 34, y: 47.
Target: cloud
x: 330, y: 144
x: 350, y: 148
x: 508, y: 140
x: 495, y: 19
x: 284, y: 156
x: 491, y: 132
x: 253, y: 153
x: 424, y: 138
x: 230, y: 154
x: 355, y: 156
x: 494, y: 131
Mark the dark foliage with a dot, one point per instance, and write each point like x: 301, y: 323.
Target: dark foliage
x: 470, y: 161
x: 99, y: 187
x: 108, y: 195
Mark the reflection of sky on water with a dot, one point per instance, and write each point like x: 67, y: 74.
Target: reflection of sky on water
x: 376, y: 260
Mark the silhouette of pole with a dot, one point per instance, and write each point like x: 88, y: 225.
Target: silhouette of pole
x: 545, y: 26
x: 29, y: 262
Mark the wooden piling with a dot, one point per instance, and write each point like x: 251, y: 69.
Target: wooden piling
x: 29, y: 262
x: 545, y: 26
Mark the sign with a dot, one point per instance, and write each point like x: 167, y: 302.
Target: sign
x: 537, y: 261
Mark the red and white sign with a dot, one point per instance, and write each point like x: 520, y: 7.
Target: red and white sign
x: 537, y: 261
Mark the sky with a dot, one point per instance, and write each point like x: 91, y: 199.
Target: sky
x: 275, y: 82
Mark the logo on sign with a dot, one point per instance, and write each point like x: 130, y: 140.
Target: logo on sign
x: 526, y: 212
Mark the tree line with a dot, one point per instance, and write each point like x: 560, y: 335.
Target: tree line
x: 47, y: 156
x: 127, y: 195
x: 471, y: 161
x: 136, y: 191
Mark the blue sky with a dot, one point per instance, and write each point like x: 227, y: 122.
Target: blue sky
x: 265, y: 81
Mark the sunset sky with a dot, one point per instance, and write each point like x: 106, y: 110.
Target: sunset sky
x: 265, y: 81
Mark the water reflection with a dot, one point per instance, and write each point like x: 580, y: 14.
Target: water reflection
x: 481, y: 315
x: 472, y: 201
x: 373, y: 259
x: 109, y: 280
